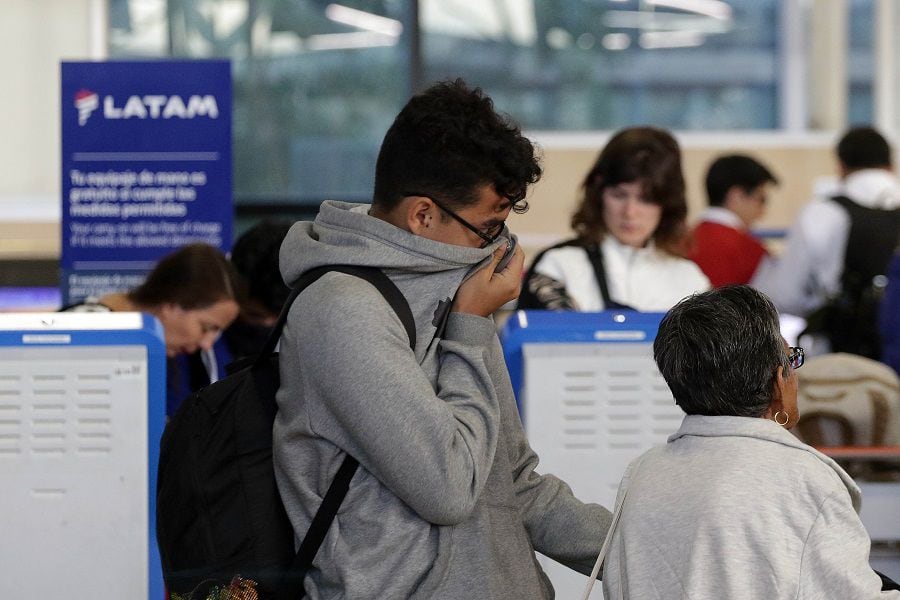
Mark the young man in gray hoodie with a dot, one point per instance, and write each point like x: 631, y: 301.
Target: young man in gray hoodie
x: 446, y: 502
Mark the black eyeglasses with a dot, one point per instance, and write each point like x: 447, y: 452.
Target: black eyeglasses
x: 795, y: 357
x: 489, y: 237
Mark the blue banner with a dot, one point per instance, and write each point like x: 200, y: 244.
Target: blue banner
x: 146, y: 167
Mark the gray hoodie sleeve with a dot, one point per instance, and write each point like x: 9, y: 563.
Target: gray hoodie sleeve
x: 560, y: 526
x: 835, y: 561
x: 433, y: 450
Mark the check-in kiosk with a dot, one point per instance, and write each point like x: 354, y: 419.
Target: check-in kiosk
x: 82, y: 409
x: 591, y: 399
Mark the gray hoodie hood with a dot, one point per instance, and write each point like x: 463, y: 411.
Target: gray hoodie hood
x: 427, y: 272
x: 873, y: 188
x: 345, y: 233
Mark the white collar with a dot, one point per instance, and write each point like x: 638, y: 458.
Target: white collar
x: 611, y: 244
x: 762, y: 429
x: 722, y: 216
x: 873, y: 188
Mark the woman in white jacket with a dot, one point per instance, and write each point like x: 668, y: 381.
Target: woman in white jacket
x: 629, y: 234
x: 734, y: 506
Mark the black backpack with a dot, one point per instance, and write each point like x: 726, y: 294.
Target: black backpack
x: 850, y: 319
x: 220, y: 522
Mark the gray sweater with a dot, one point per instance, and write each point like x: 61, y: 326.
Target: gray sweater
x: 738, y: 508
x: 446, y: 503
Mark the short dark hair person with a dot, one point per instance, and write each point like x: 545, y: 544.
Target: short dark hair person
x: 448, y: 142
x: 719, y: 351
x: 735, y: 170
x: 864, y: 148
x: 255, y: 256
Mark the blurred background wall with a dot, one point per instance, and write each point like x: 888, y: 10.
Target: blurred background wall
x: 317, y: 83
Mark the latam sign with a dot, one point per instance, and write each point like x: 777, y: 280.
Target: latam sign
x: 146, y: 168
x: 155, y: 106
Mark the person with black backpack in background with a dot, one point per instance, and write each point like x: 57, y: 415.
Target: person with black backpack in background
x: 831, y: 271
x: 446, y: 502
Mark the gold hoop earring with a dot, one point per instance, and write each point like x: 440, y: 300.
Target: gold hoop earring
x: 787, y: 418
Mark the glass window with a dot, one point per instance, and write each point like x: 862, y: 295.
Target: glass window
x: 860, y: 61
x: 605, y: 64
x: 316, y: 84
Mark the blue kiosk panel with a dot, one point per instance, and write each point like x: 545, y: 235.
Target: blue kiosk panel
x: 552, y: 327
x: 591, y: 400
x: 82, y: 410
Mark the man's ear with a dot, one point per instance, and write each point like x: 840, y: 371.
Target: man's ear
x: 420, y: 214
x: 778, y: 389
x: 733, y: 196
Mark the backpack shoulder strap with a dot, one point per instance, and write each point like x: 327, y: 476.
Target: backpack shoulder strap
x: 595, y: 255
x: 617, y: 512
x: 373, y: 275
x: 390, y: 292
x: 327, y: 511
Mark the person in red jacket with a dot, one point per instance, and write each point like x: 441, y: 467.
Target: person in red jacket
x: 723, y: 247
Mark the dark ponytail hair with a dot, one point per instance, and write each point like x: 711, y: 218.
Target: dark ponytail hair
x: 193, y: 277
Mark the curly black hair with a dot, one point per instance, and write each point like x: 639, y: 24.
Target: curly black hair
x: 448, y: 142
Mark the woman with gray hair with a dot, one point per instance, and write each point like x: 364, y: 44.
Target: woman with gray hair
x: 734, y: 506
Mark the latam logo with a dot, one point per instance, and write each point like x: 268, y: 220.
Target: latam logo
x: 86, y: 102
x: 146, y: 107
